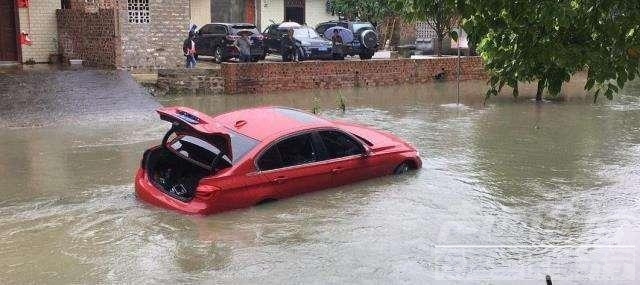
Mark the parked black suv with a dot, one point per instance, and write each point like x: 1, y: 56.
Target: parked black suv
x: 308, y: 44
x: 217, y: 40
x: 365, y: 39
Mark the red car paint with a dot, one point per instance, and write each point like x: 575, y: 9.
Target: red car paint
x: 372, y: 154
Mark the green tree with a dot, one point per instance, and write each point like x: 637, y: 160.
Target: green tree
x: 547, y: 41
x: 366, y: 10
x: 440, y: 15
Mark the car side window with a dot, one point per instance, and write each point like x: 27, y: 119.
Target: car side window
x: 292, y: 151
x: 206, y: 29
x: 339, y: 144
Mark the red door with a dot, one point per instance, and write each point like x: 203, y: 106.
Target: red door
x: 8, y: 36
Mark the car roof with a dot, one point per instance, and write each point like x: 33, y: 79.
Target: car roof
x: 232, y: 24
x: 263, y: 122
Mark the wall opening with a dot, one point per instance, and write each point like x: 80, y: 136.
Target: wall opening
x: 9, y: 49
x: 294, y: 11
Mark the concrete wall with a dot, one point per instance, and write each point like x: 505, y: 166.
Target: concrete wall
x: 157, y: 44
x: 39, y: 21
x: 200, y: 12
x: 271, y: 10
x: 287, y: 76
x: 316, y: 12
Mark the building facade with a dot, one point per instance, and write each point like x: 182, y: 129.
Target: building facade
x: 309, y: 12
x: 28, y: 30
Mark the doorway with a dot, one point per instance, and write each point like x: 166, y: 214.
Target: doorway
x: 8, y: 33
x: 294, y: 11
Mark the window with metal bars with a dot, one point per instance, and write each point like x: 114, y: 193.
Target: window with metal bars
x: 138, y: 11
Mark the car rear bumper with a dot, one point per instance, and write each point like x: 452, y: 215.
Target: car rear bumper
x: 148, y: 192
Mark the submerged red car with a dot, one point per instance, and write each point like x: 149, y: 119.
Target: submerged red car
x: 206, y: 164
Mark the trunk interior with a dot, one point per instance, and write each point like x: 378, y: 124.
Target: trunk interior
x: 175, y: 176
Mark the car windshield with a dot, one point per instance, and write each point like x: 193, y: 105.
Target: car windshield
x: 305, y: 32
x: 358, y: 26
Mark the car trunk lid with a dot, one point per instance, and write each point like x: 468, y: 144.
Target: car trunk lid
x: 200, y: 125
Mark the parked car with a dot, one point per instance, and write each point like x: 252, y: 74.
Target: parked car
x: 238, y: 159
x: 217, y: 40
x: 309, y: 45
x: 365, y: 42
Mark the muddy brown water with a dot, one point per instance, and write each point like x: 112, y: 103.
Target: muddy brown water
x: 509, y: 192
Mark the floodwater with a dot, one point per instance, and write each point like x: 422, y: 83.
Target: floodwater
x: 510, y: 191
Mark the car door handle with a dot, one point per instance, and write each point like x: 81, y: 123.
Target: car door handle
x: 336, y: 170
x: 279, y: 180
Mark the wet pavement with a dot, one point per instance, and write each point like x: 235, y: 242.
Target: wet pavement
x: 509, y: 192
x: 47, y: 96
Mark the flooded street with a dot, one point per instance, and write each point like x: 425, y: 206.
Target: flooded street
x: 510, y: 191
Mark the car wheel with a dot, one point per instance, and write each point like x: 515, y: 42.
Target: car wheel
x: 366, y: 55
x: 402, y: 168
x: 217, y: 55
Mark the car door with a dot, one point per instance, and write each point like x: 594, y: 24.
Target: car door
x: 292, y: 167
x: 203, y: 40
x: 347, y: 158
x: 219, y: 36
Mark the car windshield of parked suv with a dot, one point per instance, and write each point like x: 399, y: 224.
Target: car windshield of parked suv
x: 305, y: 32
x: 358, y: 26
x: 251, y: 28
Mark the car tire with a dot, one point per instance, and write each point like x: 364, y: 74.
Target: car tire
x: 217, y: 55
x: 402, y: 168
x: 366, y: 55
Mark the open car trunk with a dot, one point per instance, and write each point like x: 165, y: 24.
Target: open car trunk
x: 194, y: 147
x: 173, y: 175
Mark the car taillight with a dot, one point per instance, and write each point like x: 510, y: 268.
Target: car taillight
x: 206, y: 192
x: 232, y: 37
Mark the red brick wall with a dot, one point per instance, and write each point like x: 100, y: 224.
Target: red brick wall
x: 91, y: 37
x: 286, y: 76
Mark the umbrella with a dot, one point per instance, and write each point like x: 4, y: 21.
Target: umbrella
x: 346, y: 34
x: 289, y: 25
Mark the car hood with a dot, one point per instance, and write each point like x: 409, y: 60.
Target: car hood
x: 380, y: 140
x: 199, y: 124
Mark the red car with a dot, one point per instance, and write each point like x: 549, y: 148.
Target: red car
x: 206, y: 165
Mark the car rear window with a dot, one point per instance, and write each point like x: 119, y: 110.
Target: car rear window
x: 298, y: 116
x: 358, y: 26
x: 196, y: 149
x: 251, y: 28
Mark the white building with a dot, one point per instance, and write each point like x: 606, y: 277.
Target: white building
x: 310, y: 12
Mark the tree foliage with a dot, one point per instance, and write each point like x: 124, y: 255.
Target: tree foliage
x: 440, y: 15
x: 547, y: 41
x: 367, y: 10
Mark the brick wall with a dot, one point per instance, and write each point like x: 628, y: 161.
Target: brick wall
x: 189, y: 81
x: 157, y: 44
x: 288, y: 76
x: 39, y: 21
x: 91, y: 36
